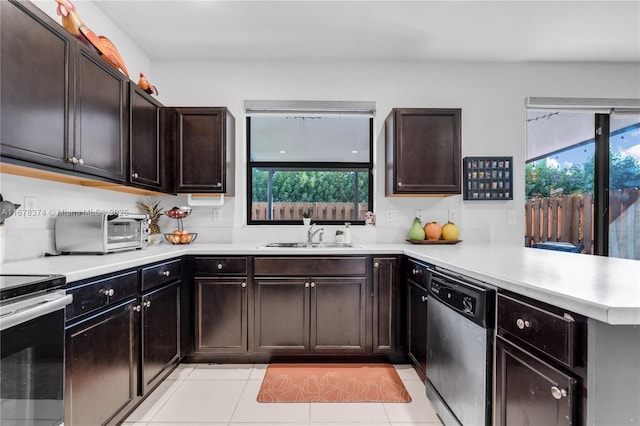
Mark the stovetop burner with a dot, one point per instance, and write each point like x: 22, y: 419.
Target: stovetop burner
x: 13, y: 286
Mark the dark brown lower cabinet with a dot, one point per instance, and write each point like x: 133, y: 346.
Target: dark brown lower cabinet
x: 417, y: 327
x: 310, y: 314
x: 102, y: 367
x: 221, y: 315
x: 160, y: 333
x: 530, y: 391
x: 385, y: 304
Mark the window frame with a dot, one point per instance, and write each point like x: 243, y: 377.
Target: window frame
x: 305, y: 166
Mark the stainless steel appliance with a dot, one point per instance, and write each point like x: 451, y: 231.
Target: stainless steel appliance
x: 100, y: 232
x: 460, y: 329
x: 32, y: 349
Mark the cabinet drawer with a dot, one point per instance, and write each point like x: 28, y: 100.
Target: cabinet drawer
x: 310, y: 266
x: 91, y: 296
x: 157, y: 275
x: 205, y: 266
x: 539, y: 328
x: 417, y: 272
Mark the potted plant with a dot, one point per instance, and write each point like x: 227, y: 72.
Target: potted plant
x: 306, y: 218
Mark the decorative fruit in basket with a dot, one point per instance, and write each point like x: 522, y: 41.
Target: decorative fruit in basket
x: 450, y: 231
x: 416, y: 232
x: 432, y: 231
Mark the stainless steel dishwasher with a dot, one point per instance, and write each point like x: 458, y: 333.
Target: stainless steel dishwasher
x: 460, y: 330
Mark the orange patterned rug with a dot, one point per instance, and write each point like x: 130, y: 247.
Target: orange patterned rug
x: 332, y: 383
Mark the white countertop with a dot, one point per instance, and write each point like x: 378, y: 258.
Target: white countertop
x: 605, y: 289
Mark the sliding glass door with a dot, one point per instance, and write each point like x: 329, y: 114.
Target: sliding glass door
x: 582, y: 181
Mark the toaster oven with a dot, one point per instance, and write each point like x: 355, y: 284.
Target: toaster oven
x: 100, y: 232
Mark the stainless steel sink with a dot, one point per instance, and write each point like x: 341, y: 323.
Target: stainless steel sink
x: 309, y: 245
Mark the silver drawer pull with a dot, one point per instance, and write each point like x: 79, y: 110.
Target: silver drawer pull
x: 558, y: 393
x: 166, y: 273
x: 243, y: 285
x: 220, y: 266
x: 376, y: 265
x: 313, y: 285
x: 424, y: 298
x: 306, y: 285
x: 136, y: 308
x: 147, y: 304
x: 416, y: 271
x: 522, y: 324
x: 107, y: 293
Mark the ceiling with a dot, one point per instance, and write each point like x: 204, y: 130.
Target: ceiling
x: 412, y: 31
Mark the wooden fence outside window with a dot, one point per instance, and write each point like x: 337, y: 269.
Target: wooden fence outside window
x: 570, y: 218
x: 319, y: 211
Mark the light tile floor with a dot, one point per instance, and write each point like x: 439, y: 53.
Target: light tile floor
x: 216, y: 394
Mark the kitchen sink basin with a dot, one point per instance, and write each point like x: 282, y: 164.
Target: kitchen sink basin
x: 309, y: 245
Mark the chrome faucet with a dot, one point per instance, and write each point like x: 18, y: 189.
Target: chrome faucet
x: 311, y: 233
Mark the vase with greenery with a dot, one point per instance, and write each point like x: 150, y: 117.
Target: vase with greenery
x: 306, y: 218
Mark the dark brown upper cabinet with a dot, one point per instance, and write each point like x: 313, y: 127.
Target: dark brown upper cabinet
x: 203, y: 144
x: 423, y: 151
x: 146, y: 141
x: 62, y: 105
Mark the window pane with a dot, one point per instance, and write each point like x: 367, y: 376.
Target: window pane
x: 624, y: 195
x: 340, y: 195
x: 319, y: 139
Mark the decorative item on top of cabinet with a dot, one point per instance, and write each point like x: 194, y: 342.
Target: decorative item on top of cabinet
x: 203, y: 143
x: 71, y: 22
x: 423, y: 147
x: 488, y: 178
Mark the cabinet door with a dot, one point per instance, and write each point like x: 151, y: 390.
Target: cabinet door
x: 417, y: 327
x: 101, y: 117
x: 384, y: 300
x: 423, y: 151
x: 338, y: 314
x: 203, y: 150
x: 101, y: 367
x: 530, y: 391
x: 221, y: 315
x: 146, y: 153
x: 160, y: 333
x: 282, y: 315
x: 35, y: 72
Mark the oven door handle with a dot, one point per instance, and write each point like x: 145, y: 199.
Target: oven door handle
x: 30, y: 313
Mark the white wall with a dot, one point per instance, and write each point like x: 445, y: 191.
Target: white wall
x: 491, y: 96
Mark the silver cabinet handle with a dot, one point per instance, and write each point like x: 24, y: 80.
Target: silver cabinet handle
x: 73, y: 160
x: 376, y: 265
x: 220, y: 266
x: 522, y: 324
x: 136, y: 308
x: 243, y: 285
x: 306, y: 285
x: 416, y: 271
x: 313, y: 285
x: 219, y: 184
x: 147, y: 304
x: 558, y: 393
x: 166, y: 273
x: 134, y: 175
x: 80, y: 161
x: 424, y: 298
x: 107, y: 293
x: 399, y: 183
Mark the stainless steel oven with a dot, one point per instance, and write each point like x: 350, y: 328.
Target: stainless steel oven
x: 32, y: 349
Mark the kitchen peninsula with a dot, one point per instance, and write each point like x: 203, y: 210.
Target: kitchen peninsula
x: 604, y: 290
